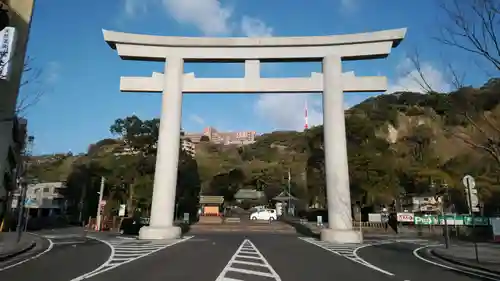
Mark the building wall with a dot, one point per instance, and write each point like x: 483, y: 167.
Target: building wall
x: 226, y: 138
x: 20, y: 12
x: 9, y: 165
x: 189, y: 147
x: 43, y: 196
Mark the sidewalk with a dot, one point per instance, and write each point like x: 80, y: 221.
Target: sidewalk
x: 464, y: 254
x: 9, y: 247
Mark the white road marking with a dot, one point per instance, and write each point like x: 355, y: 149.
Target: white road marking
x: 470, y: 271
x: 349, y: 251
x: 64, y: 236
x: 69, y: 242
x: 127, y: 238
x: 247, y: 250
x: 421, y: 242
x: 123, y: 252
x: 51, y: 245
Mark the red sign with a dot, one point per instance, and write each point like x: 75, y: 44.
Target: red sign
x: 405, y: 217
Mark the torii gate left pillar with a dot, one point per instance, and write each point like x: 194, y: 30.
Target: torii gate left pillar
x: 330, y: 50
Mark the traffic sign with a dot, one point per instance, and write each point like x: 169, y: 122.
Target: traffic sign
x: 469, y: 182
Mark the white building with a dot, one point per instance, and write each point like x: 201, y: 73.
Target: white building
x: 189, y: 147
x: 44, y: 199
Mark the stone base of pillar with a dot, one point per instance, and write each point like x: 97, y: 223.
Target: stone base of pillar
x: 341, y: 236
x: 159, y: 233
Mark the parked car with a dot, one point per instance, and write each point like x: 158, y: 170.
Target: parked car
x: 264, y: 214
x: 131, y: 226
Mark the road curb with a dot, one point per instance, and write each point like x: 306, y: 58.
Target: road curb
x: 454, y: 261
x: 13, y: 254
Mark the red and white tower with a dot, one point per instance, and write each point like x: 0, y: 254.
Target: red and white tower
x: 306, y: 124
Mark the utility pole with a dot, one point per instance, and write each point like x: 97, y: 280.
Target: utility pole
x: 444, y: 201
x: 20, y: 207
x: 289, y: 189
x: 98, y: 216
x: 80, y: 204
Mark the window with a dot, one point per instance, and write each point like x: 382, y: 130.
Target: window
x: 46, y: 189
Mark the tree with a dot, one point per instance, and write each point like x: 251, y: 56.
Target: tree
x: 473, y: 27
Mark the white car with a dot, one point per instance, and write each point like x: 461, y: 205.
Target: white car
x: 266, y: 214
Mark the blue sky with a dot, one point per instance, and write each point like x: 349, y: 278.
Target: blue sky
x: 80, y: 73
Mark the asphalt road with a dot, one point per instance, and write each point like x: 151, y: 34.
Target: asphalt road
x: 252, y: 257
x: 230, y: 257
x: 67, y: 258
x: 401, y: 260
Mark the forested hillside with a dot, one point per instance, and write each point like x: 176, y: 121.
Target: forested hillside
x: 399, y: 144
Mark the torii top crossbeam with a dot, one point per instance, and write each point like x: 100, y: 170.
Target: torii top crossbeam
x: 252, y: 51
x: 313, y: 48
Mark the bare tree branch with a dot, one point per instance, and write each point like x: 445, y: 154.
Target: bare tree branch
x: 473, y: 26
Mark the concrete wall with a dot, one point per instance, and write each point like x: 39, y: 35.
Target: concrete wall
x: 20, y: 18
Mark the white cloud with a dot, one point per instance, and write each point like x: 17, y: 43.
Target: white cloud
x: 410, y: 79
x: 135, y: 7
x: 254, y: 27
x: 347, y: 3
x: 197, y: 119
x: 209, y: 16
x: 51, y: 72
x: 286, y: 111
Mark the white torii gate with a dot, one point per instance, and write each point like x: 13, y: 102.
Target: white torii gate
x: 331, y: 50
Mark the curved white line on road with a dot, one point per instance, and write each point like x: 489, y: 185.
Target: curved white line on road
x: 111, y: 255
x: 367, y: 264
x: 476, y: 273
x: 106, y: 265
x: 51, y: 245
x: 354, y: 256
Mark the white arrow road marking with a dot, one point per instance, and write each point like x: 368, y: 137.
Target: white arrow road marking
x: 246, y: 262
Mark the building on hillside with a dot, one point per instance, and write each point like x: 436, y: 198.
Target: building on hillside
x: 9, y: 165
x: 225, y: 138
x: 425, y: 204
x: 43, y: 199
x: 189, y: 147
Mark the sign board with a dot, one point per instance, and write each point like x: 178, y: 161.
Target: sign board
x: 384, y: 217
x: 405, y: 217
x: 319, y: 220
x: 186, y: 218
x: 102, y: 204
x: 7, y: 48
x: 475, y: 200
x: 374, y: 217
x: 469, y: 182
x: 470, y: 188
x: 426, y: 220
x: 452, y: 219
x: 121, y: 211
x: 495, y: 226
x: 477, y: 220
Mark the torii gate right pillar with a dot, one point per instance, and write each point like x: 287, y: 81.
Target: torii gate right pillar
x: 335, y: 146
